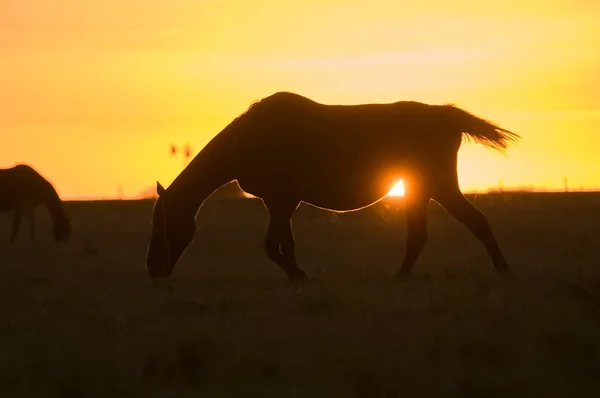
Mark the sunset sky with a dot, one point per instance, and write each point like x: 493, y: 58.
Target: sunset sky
x: 94, y: 92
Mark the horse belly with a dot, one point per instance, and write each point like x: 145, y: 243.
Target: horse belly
x: 346, y: 193
x: 338, y: 172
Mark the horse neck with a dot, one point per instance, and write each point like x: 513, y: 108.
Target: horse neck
x: 208, y: 171
x: 53, y: 204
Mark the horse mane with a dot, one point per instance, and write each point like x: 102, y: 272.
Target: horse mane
x: 241, y: 115
x: 281, y: 95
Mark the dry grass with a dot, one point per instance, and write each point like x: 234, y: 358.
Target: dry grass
x: 83, y: 319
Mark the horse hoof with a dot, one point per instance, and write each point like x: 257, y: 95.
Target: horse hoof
x: 402, y: 275
x: 298, y: 277
x: 506, y: 275
x: 310, y: 281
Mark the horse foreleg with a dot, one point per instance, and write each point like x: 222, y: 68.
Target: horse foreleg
x: 416, y: 224
x: 15, y: 226
x: 279, y: 242
x: 32, y: 226
x: 27, y: 211
x: 287, y: 246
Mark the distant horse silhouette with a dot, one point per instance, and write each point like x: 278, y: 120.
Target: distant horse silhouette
x: 288, y: 149
x: 21, y: 190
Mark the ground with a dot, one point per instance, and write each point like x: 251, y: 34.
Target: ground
x: 84, y: 319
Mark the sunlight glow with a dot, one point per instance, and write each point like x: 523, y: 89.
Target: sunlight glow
x: 398, y: 189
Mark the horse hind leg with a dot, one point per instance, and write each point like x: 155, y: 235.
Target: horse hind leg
x: 279, y: 242
x: 416, y: 224
x: 454, y: 202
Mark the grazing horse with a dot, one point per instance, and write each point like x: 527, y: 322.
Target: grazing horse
x: 287, y: 149
x: 21, y: 190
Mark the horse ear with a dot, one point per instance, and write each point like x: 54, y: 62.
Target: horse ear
x: 159, y: 188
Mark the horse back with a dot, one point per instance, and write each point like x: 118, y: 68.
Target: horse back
x: 20, y: 185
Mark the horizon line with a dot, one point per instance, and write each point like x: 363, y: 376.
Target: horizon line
x: 490, y: 191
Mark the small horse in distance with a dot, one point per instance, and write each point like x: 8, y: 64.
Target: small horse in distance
x: 287, y: 149
x: 22, y: 189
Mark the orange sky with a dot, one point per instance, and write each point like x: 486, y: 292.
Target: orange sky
x: 93, y: 92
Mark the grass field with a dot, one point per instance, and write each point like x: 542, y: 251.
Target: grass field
x: 83, y: 318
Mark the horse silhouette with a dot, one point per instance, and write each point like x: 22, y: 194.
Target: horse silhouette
x: 22, y: 189
x: 287, y: 149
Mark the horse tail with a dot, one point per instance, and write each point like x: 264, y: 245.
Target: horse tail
x: 482, y: 131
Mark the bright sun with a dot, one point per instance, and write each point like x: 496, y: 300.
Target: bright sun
x: 398, y: 190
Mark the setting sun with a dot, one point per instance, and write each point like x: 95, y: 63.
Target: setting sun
x: 398, y: 190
